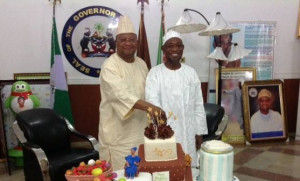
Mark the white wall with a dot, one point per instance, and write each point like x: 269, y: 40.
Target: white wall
x: 25, y: 31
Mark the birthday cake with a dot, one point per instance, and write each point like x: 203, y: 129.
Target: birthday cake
x: 216, y: 161
x: 159, y: 140
x: 160, y: 152
x: 178, y: 169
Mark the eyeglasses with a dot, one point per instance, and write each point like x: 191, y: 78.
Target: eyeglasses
x: 171, y: 47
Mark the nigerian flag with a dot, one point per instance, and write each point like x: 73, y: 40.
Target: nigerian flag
x: 60, y: 96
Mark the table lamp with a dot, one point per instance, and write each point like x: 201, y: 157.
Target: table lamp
x: 185, y: 24
x: 237, y: 52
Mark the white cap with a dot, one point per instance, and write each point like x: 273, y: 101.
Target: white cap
x: 264, y: 93
x: 171, y: 34
x: 125, y: 25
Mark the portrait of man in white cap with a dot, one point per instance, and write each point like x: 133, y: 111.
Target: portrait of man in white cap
x: 176, y: 88
x: 266, y: 119
x: 122, y: 107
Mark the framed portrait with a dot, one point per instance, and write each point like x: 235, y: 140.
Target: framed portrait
x: 232, y: 81
x: 264, y: 110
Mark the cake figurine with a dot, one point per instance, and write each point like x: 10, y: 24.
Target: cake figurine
x: 132, y: 164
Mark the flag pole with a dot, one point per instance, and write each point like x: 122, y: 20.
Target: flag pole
x: 143, y: 49
x: 142, y: 5
x: 163, y: 16
x: 53, y: 17
x: 161, y: 33
x: 60, y: 99
x: 54, y: 5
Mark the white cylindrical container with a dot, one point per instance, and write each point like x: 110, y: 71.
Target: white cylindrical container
x: 216, y: 161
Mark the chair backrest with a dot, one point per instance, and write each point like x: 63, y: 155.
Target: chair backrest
x: 45, y: 128
x: 214, y: 115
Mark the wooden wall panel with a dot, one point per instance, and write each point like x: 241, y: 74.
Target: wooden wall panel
x: 85, y: 100
x: 291, y: 91
x: 204, y: 87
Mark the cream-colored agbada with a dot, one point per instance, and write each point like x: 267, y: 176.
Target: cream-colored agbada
x: 121, y: 127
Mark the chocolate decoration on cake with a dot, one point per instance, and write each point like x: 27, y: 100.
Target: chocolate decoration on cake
x: 150, y: 132
x: 157, y: 127
x: 164, y: 131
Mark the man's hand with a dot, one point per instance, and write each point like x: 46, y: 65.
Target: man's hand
x: 157, y: 112
x: 151, y: 109
x: 199, y: 141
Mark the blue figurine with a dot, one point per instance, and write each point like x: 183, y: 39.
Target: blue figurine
x: 132, y: 163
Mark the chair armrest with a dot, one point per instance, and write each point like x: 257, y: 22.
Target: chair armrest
x: 29, y: 145
x: 92, y: 140
x: 39, y: 153
x: 222, y: 126
x: 215, y: 121
x: 19, y: 133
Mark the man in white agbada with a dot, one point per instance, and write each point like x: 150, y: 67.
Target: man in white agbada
x: 265, y: 119
x: 122, y: 87
x: 176, y: 88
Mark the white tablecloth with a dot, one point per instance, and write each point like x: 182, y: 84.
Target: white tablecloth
x: 144, y: 176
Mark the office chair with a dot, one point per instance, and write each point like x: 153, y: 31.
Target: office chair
x: 46, y: 140
x: 216, y: 125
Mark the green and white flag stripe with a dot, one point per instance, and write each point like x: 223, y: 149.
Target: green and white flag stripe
x: 159, y: 51
x: 60, y: 96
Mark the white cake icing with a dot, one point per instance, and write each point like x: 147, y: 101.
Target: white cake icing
x: 216, y: 161
x: 216, y: 146
x: 160, y: 149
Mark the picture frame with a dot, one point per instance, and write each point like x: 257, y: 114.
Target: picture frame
x: 232, y: 80
x: 32, y: 76
x: 264, y: 111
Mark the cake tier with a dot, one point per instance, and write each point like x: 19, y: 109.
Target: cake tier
x: 216, y: 166
x: 177, y: 168
x: 160, y: 149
